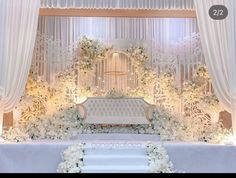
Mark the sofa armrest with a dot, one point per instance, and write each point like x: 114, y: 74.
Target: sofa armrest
x: 149, y: 112
x: 82, y: 110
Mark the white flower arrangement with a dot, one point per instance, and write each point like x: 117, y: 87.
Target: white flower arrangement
x: 176, y: 127
x: 168, y: 93
x: 33, y: 102
x: 50, y: 113
x: 210, y: 103
x: 139, y: 55
x: 141, y: 91
x: 158, y: 158
x: 65, y: 89
x: 66, y: 124
x: 16, y: 134
x: 72, y: 159
x: 90, y: 51
x: 114, y: 94
x: 63, y: 125
x: 194, y: 90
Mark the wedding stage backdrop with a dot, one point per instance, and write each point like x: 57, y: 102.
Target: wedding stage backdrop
x: 160, y: 83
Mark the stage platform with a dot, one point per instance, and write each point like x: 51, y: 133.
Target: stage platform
x: 43, y: 156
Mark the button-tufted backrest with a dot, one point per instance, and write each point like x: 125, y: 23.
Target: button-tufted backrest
x: 116, y: 110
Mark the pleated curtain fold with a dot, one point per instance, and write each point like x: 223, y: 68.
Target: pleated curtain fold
x: 18, y: 27
x: 218, y: 42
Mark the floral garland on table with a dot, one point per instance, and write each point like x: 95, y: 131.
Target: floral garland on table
x: 158, y: 159
x: 72, y: 159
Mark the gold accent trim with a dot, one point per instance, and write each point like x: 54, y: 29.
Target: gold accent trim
x: 115, y: 73
x: 138, y: 13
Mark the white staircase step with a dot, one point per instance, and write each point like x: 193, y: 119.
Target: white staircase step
x: 106, y: 160
x: 115, y: 149
x: 117, y: 137
x: 115, y: 157
x: 115, y: 169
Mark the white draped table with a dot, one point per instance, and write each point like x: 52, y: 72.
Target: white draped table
x: 44, y: 156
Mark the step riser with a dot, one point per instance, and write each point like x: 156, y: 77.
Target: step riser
x: 115, y: 158
x: 115, y: 152
x: 115, y: 161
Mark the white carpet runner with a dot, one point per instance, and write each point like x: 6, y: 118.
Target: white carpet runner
x: 115, y: 157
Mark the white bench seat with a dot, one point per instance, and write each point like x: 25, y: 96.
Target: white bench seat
x: 103, y: 110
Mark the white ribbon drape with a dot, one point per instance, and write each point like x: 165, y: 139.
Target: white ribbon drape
x: 119, y: 4
x: 18, y: 22
x: 218, y: 42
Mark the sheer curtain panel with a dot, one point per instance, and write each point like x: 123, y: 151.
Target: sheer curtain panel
x: 18, y: 27
x: 218, y: 42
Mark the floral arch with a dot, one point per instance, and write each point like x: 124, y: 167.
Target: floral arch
x: 106, y: 69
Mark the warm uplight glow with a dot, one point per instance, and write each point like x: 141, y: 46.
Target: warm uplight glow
x: 115, y: 55
x: 116, y: 66
x: 229, y: 140
x: 80, y: 100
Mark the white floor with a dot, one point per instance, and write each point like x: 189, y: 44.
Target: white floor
x: 44, y: 155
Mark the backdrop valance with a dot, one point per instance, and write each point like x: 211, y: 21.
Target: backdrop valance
x: 119, y: 4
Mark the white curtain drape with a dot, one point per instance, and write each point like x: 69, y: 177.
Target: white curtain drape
x: 155, y: 34
x: 218, y: 42
x: 119, y: 4
x: 164, y: 31
x: 1, y: 108
x: 18, y: 27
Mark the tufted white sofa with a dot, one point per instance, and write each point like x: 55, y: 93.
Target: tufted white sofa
x: 103, y: 110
